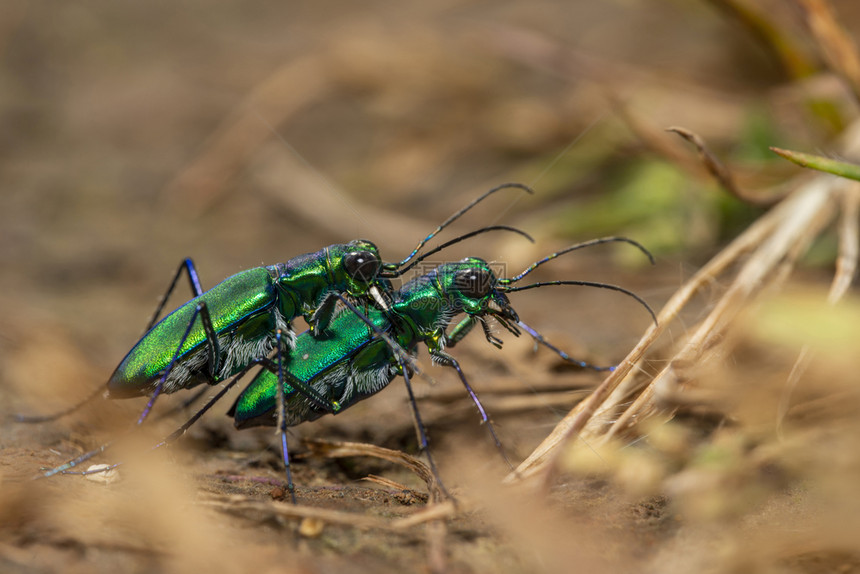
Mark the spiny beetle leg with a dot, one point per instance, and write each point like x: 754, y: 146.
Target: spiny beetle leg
x: 449, y: 361
x: 186, y: 265
x: 210, y: 335
x: 329, y: 405
x: 179, y: 432
x: 202, y: 311
x: 282, y: 419
x: 399, y: 352
x: 405, y: 368
x: 422, y: 432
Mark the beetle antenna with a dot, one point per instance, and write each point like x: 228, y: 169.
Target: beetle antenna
x: 454, y: 217
x: 398, y: 273
x: 22, y: 418
x: 540, y: 339
x: 575, y: 247
x: 584, y: 284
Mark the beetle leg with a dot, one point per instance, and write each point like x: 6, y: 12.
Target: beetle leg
x: 326, y: 404
x: 65, y: 469
x: 282, y: 418
x: 419, y: 426
x: 188, y: 266
x: 213, y: 342
x: 320, y: 319
x: 212, y: 346
x: 461, y: 330
x: 447, y: 360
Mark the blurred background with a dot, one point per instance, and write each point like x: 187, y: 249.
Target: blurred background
x: 134, y: 135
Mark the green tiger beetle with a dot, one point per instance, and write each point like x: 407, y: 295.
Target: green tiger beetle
x: 220, y: 332
x: 362, y: 351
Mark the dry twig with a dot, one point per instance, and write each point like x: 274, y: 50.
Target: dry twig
x: 719, y: 171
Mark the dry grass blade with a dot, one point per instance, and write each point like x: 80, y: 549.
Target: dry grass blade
x: 386, y: 482
x: 243, y: 505
x: 336, y: 449
x: 632, y: 363
x: 849, y: 243
x: 837, y: 46
x: 717, y: 169
x: 846, y: 268
x: 773, y: 244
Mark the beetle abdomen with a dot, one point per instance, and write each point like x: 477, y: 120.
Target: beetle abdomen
x: 244, y: 318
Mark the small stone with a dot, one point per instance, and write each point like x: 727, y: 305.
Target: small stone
x: 311, y: 527
x: 278, y: 493
x: 102, y: 473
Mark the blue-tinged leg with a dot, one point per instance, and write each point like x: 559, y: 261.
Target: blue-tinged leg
x: 185, y: 426
x: 188, y: 266
x: 401, y: 355
x: 422, y: 432
x: 540, y: 339
x: 327, y: 405
x: 282, y: 418
x: 212, y: 347
x: 399, y: 352
x: 448, y: 360
x: 212, y: 342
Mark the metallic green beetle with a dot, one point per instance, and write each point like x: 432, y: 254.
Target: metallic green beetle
x: 239, y: 318
x: 361, y: 355
x: 351, y: 364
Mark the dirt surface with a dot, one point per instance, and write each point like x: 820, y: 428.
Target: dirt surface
x: 133, y: 136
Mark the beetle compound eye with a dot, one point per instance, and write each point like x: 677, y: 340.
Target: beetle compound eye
x: 361, y: 265
x: 472, y: 283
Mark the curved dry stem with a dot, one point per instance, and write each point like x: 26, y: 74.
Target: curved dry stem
x: 338, y: 449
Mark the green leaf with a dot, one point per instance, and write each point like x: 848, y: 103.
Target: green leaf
x: 840, y: 168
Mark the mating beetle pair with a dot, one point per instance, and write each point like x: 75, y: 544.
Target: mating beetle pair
x: 343, y: 358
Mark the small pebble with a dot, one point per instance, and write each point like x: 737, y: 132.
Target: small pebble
x: 106, y: 476
x: 311, y: 527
